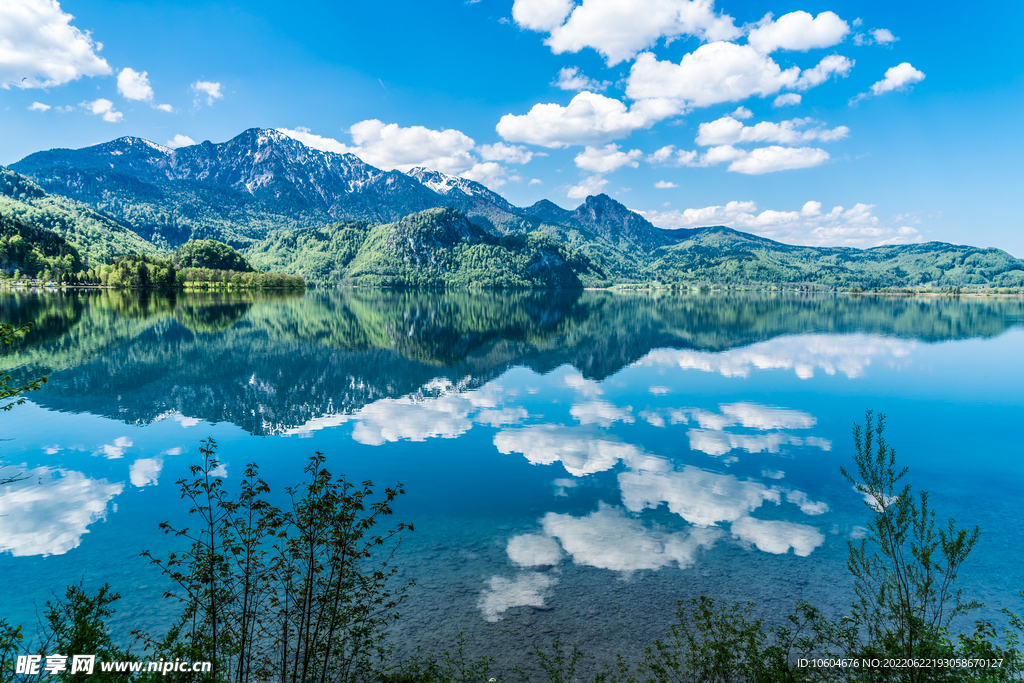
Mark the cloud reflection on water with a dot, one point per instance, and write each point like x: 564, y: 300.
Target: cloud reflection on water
x: 47, y: 513
x: 608, y: 539
x: 529, y: 588
x: 849, y: 354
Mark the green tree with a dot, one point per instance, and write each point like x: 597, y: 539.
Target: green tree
x: 906, y: 566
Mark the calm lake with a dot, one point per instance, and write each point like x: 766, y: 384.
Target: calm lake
x: 574, y: 463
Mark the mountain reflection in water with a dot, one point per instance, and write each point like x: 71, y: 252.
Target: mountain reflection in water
x: 275, y: 364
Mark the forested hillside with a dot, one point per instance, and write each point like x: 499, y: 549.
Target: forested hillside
x: 333, y: 219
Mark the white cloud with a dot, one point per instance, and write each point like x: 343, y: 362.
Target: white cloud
x: 50, y: 518
x: 601, y: 413
x: 753, y: 162
x: 878, y: 36
x: 589, y: 117
x: 134, y: 85
x: 509, y: 154
x: 664, y: 185
x: 588, y: 186
x: 798, y: 31
x: 898, y: 77
x: 104, y: 108
x: 855, y: 227
x: 571, y: 78
x: 711, y: 74
x: 789, y: 99
x: 606, y: 159
x: 533, y: 550
x: 883, y: 36
x: 164, y: 107
x: 315, y: 141
x: 529, y: 588
x: 773, y: 474
x: 209, y: 88
x: 490, y: 173
x: 775, y: 158
x: 39, y: 48
x: 608, y: 539
x: 618, y: 29
x: 729, y: 131
x: 536, y: 181
x: 778, y: 537
x: 541, y: 15
x: 833, y: 65
x: 39, y: 106
x: 389, y: 146
x: 180, y: 140
x: 742, y: 113
x: 145, y: 471
x: 581, y: 450
x: 700, y: 497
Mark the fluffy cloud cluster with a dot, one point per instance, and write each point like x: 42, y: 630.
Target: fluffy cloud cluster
x: 618, y: 29
x: 570, y: 78
x: 103, y: 108
x: 855, y: 227
x: 899, y: 77
x: 878, y: 36
x: 606, y: 159
x: 798, y: 31
x: 588, y: 186
x: 180, y: 140
x: 729, y: 131
x: 390, y: 146
x: 134, y: 85
x: 589, y: 117
x: 753, y: 162
x: 39, y: 48
x: 209, y: 89
x: 712, y: 74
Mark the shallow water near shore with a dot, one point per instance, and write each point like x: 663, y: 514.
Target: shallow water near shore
x: 574, y: 463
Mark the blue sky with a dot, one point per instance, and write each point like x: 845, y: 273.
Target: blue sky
x: 905, y: 115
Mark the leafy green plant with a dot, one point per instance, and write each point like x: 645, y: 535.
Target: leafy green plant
x: 906, y: 566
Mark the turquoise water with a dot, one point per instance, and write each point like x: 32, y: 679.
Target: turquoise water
x: 575, y: 463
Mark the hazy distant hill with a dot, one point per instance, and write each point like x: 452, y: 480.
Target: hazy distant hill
x: 333, y: 218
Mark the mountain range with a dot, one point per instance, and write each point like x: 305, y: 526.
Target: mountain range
x: 334, y: 218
